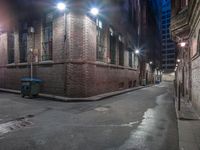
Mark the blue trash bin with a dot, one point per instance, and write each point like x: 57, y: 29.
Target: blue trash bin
x: 30, y: 87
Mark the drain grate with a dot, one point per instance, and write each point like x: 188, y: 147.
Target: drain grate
x: 14, y: 125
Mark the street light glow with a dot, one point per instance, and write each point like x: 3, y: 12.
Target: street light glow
x: 137, y: 51
x: 150, y: 62
x: 178, y: 60
x: 182, y: 44
x: 94, y: 11
x: 61, y: 6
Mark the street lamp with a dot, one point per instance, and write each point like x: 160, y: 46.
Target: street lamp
x: 150, y: 62
x: 61, y: 6
x: 178, y: 60
x: 94, y: 11
x: 182, y: 44
x: 137, y: 51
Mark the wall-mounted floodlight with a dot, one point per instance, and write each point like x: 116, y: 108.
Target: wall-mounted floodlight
x: 182, y: 44
x: 61, y: 6
x: 137, y: 51
x: 94, y: 11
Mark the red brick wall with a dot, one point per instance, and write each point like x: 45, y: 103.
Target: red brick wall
x: 73, y: 72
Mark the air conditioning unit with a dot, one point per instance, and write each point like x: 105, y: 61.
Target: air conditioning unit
x: 31, y: 30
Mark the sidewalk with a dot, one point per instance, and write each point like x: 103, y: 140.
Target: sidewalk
x: 188, y: 126
x: 93, y: 98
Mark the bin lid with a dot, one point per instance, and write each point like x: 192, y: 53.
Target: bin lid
x: 31, y: 80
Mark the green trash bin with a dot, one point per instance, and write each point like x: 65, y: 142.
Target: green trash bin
x: 30, y: 87
x: 144, y: 82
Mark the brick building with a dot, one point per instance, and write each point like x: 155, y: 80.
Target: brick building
x: 75, y: 53
x: 185, y: 29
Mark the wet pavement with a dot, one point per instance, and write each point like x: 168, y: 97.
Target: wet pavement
x: 138, y: 120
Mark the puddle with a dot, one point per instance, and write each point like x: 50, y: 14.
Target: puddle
x: 151, y: 131
x: 101, y: 109
x: 14, y: 125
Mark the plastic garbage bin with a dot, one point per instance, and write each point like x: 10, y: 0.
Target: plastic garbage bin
x: 30, y: 87
x: 144, y: 83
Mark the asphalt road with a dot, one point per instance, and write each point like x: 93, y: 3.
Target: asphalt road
x: 138, y: 120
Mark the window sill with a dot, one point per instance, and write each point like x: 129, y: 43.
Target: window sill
x: 47, y: 62
x: 11, y: 65
x: 23, y: 64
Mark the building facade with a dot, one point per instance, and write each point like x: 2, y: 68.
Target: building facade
x: 75, y: 53
x: 168, y: 46
x: 185, y: 31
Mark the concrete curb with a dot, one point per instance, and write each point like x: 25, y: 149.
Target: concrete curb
x: 185, y: 125
x: 88, y: 99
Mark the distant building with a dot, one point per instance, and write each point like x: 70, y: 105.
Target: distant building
x: 168, y: 46
x: 75, y: 53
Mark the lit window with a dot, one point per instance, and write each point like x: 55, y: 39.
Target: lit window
x: 111, y: 31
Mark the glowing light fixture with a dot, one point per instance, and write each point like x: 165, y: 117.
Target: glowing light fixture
x: 137, y: 51
x: 178, y: 60
x: 150, y: 62
x: 61, y: 6
x: 182, y: 44
x: 94, y: 11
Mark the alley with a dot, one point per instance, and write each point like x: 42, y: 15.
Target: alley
x: 140, y: 120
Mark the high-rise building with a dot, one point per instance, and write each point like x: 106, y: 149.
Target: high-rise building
x: 168, y: 46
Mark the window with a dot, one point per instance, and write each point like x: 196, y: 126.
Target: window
x: 100, y: 41
x: 112, y: 47
x: 130, y: 11
x: 130, y: 59
x: 47, y: 44
x: 11, y: 50
x: 23, y: 39
x: 184, y: 3
x: 136, y: 61
x: 170, y: 67
x: 170, y: 56
x: 121, y: 53
x: 197, y: 52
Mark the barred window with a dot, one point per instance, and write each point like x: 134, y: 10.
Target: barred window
x: 23, y: 38
x: 47, y: 43
x: 100, y: 40
x: 11, y: 49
